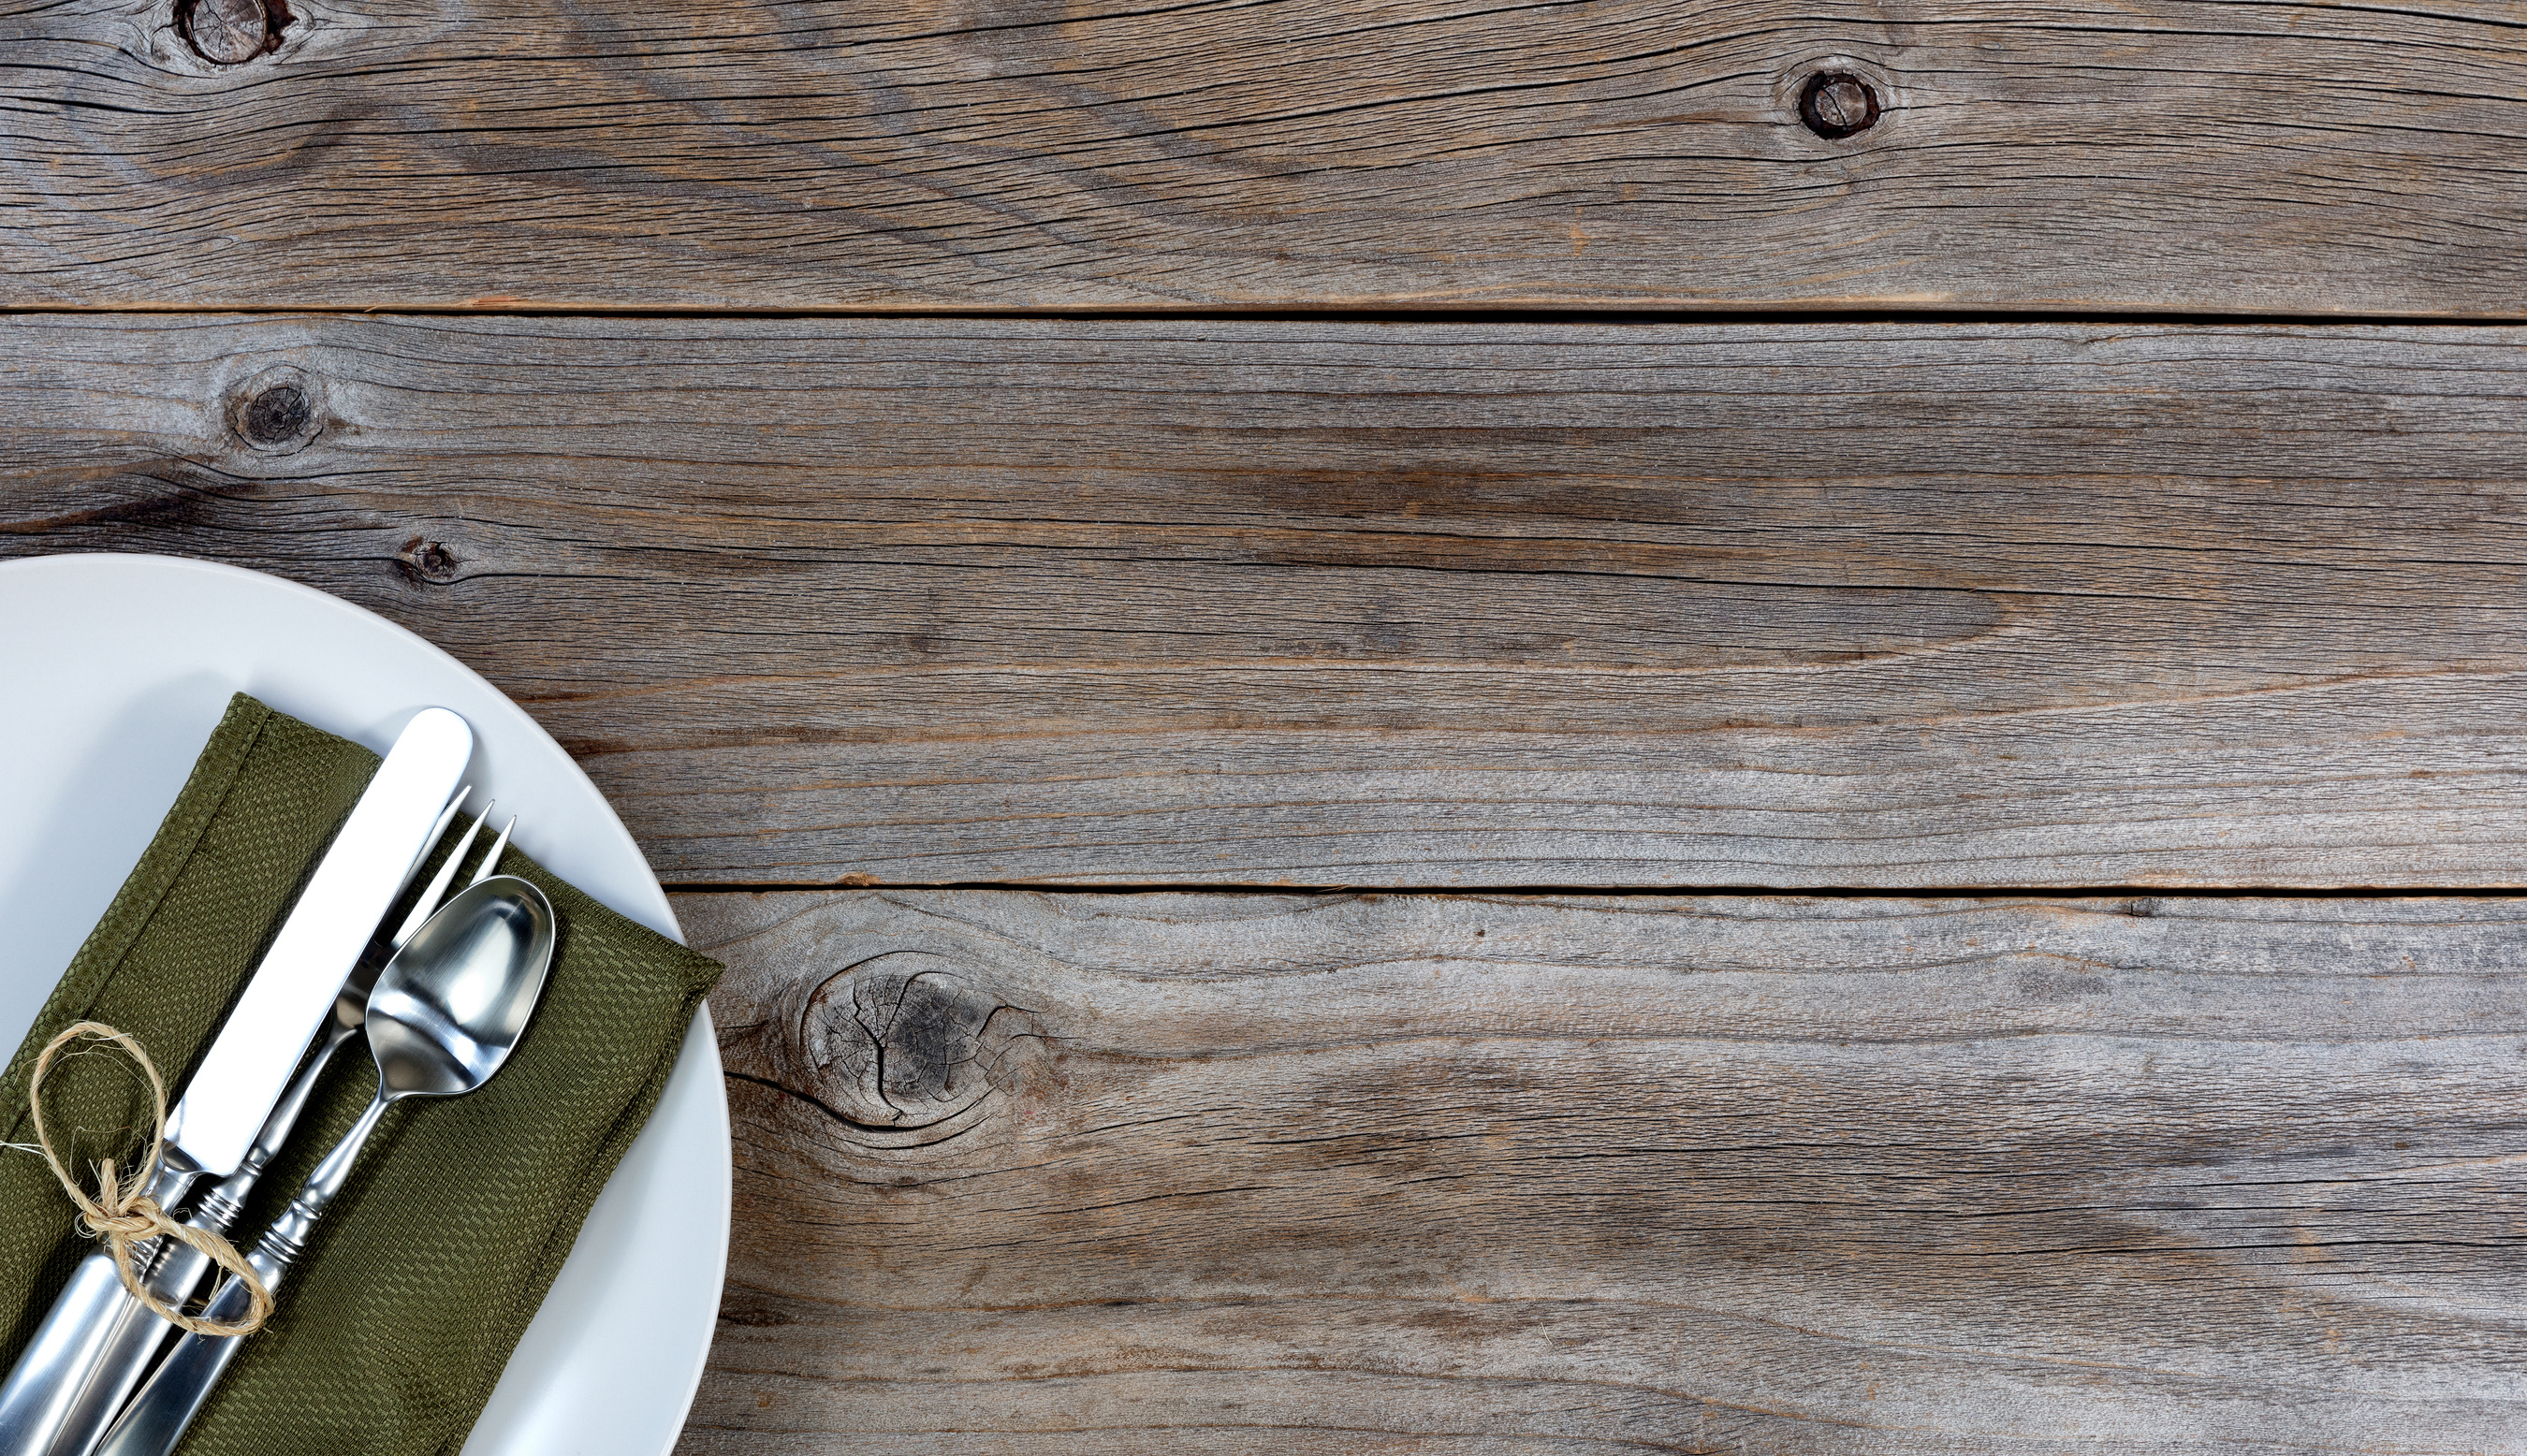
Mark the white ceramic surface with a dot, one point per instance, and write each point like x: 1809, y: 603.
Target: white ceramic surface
x: 116, y: 669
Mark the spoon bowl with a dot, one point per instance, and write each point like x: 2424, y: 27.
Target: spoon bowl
x: 451, y: 1006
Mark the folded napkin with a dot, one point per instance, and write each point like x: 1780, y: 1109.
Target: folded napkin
x: 423, y: 1273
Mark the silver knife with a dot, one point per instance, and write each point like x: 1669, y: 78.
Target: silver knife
x: 95, y: 1343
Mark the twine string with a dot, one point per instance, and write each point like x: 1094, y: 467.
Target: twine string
x: 121, y: 1213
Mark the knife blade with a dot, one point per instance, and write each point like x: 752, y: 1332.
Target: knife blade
x: 260, y: 1043
x: 96, y: 1340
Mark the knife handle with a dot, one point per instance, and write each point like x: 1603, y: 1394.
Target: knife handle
x: 92, y: 1347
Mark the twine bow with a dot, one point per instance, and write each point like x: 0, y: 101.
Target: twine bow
x: 121, y: 1213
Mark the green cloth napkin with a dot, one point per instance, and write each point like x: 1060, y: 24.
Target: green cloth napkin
x: 391, y: 1331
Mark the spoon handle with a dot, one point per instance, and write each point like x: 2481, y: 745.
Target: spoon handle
x: 156, y: 1416
x: 286, y: 1238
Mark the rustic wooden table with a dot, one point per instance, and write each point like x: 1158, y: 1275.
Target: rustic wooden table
x: 1437, y: 729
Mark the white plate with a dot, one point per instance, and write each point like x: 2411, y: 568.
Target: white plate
x: 116, y: 670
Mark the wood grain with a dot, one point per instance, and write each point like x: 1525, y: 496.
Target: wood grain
x: 2242, y: 157
x: 1106, y: 1174
x: 1882, y: 605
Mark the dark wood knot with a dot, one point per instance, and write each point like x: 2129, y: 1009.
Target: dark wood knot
x: 427, y: 563
x: 278, y: 412
x: 231, y: 33
x: 1836, y: 104
x: 906, y: 1042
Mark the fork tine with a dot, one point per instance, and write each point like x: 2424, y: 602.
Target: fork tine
x: 439, y: 883
x: 493, y: 860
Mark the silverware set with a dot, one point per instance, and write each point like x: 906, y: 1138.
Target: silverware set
x: 442, y: 1000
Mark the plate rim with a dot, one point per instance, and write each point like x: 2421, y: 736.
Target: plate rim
x: 659, y: 911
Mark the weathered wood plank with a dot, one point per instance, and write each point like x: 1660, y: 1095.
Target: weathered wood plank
x: 2251, y: 155
x: 1347, y: 604
x: 1110, y: 1174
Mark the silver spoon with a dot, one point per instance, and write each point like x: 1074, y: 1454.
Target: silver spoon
x: 446, y: 1013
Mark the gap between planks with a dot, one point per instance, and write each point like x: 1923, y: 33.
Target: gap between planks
x: 1684, y: 892
x: 1576, y: 318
